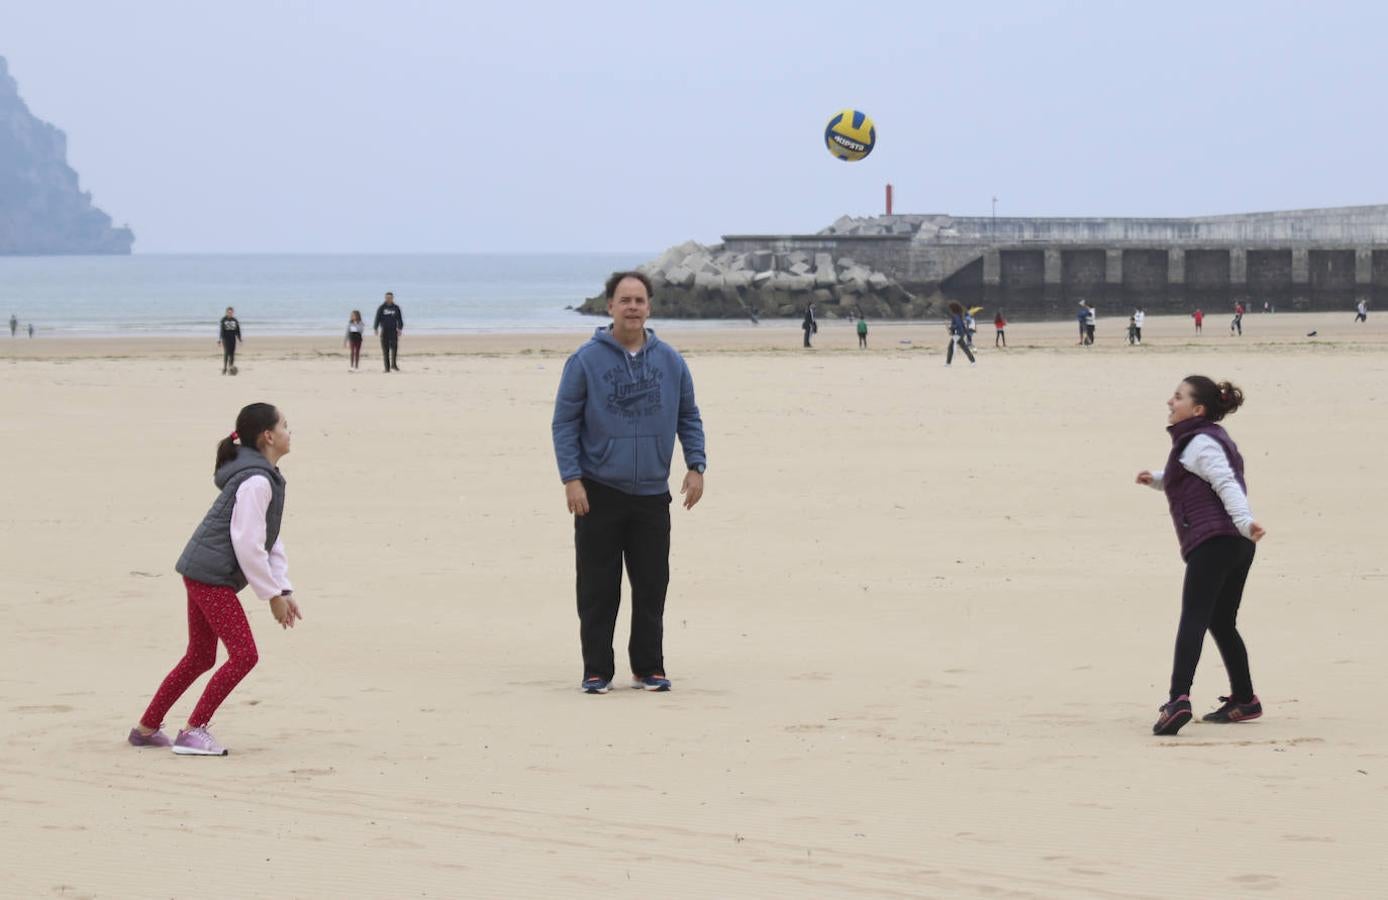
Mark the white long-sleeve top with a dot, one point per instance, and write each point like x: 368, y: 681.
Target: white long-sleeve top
x: 267, y: 573
x: 1205, y: 458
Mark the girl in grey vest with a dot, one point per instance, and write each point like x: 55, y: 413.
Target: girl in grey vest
x: 1205, y: 489
x: 236, y: 545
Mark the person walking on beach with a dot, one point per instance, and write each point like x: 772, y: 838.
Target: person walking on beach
x: 1082, y: 316
x: 14, y: 324
x: 1361, y: 311
x: 31, y: 331
x: 229, y: 332
x: 1000, y: 330
x: 623, y: 398
x: 958, y: 334
x: 1091, y: 317
x: 970, y: 326
x: 1132, y: 330
x: 1237, y: 323
x: 355, y: 328
x: 1139, y: 316
x: 1204, y: 485
x: 390, y: 324
x: 809, y: 325
x: 1199, y: 317
x: 237, y: 544
x: 862, y: 332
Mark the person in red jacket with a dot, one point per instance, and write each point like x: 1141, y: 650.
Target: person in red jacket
x: 1199, y: 317
x: 1000, y: 327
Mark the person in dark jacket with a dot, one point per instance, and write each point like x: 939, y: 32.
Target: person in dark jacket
x: 1205, y: 489
x: 390, y: 324
x: 809, y: 325
x: 229, y: 332
x: 236, y: 545
x: 958, y: 334
x: 623, y: 398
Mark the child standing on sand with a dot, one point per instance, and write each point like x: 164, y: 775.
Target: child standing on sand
x: 236, y: 544
x: 1205, y: 489
x: 1000, y: 329
x: 355, y: 328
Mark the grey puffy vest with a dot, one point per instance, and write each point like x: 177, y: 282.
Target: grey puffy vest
x: 209, y: 556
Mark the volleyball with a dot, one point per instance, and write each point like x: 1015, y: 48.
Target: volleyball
x: 850, y: 135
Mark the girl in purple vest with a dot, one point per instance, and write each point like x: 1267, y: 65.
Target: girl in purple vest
x: 1204, y: 486
x: 236, y: 545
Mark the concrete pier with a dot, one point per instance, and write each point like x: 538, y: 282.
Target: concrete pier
x: 1295, y: 259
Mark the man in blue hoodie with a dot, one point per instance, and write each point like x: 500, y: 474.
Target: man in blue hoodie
x: 623, y: 398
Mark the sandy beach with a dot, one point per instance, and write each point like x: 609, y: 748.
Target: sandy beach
x: 918, y: 627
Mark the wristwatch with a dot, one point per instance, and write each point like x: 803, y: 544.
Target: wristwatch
x: 698, y: 467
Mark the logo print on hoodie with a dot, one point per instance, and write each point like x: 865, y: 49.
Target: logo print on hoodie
x: 635, y: 390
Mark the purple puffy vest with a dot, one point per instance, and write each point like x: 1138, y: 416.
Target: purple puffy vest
x: 1196, y: 510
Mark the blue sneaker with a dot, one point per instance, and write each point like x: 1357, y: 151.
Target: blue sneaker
x: 596, y: 684
x: 650, y: 683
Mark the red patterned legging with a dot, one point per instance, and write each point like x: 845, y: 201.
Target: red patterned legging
x: 213, y: 612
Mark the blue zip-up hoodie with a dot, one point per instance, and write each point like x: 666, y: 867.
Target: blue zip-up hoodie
x: 616, y: 417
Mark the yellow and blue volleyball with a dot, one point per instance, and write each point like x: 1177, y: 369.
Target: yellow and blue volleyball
x: 850, y: 135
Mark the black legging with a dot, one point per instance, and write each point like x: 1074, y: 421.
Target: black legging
x: 963, y: 345
x: 228, y: 353
x: 1215, y: 574
x: 354, y: 342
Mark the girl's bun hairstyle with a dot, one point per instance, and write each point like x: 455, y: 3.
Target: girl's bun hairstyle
x: 1219, y: 399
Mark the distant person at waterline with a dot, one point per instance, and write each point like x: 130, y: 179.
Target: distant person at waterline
x: 1361, y: 311
x: 14, y: 324
x: 809, y: 325
x: 390, y: 324
x: 31, y: 331
x: 355, y: 327
x: 229, y: 333
x: 862, y: 333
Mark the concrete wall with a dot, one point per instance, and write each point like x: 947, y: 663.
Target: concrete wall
x: 1299, y: 259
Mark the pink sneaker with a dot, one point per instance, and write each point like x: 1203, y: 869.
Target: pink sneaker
x: 156, y: 738
x: 197, y: 742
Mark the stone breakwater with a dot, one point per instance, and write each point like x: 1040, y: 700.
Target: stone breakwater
x: 694, y: 281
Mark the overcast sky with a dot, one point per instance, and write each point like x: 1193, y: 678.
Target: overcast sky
x: 355, y: 126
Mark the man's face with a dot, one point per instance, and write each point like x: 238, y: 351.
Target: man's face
x: 630, y: 306
x: 390, y: 299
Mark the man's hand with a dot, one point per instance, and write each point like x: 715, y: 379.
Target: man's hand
x: 285, y: 610
x: 1256, y: 532
x: 1144, y: 477
x: 692, y: 489
x: 576, y: 496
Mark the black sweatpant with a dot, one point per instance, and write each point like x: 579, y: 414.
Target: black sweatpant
x: 862, y: 341
x: 1215, y: 574
x: 390, y: 345
x: 621, y: 526
x: 228, y: 353
x: 963, y: 345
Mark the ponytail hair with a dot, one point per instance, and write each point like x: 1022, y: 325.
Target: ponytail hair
x: 1219, y: 399
x: 253, y: 421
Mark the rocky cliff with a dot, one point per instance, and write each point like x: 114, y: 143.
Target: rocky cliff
x: 693, y: 281
x: 43, y: 210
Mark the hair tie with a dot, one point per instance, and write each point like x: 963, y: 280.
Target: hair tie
x: 234, y: 436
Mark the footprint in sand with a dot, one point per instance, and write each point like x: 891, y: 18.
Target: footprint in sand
x: 1256, y: 882
x: 52, y: 708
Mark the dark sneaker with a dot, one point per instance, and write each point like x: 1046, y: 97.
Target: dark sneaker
x: 1173, y: 715
x: 595, y: 684
x: 650, y: 683
x: 1233, y: 711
